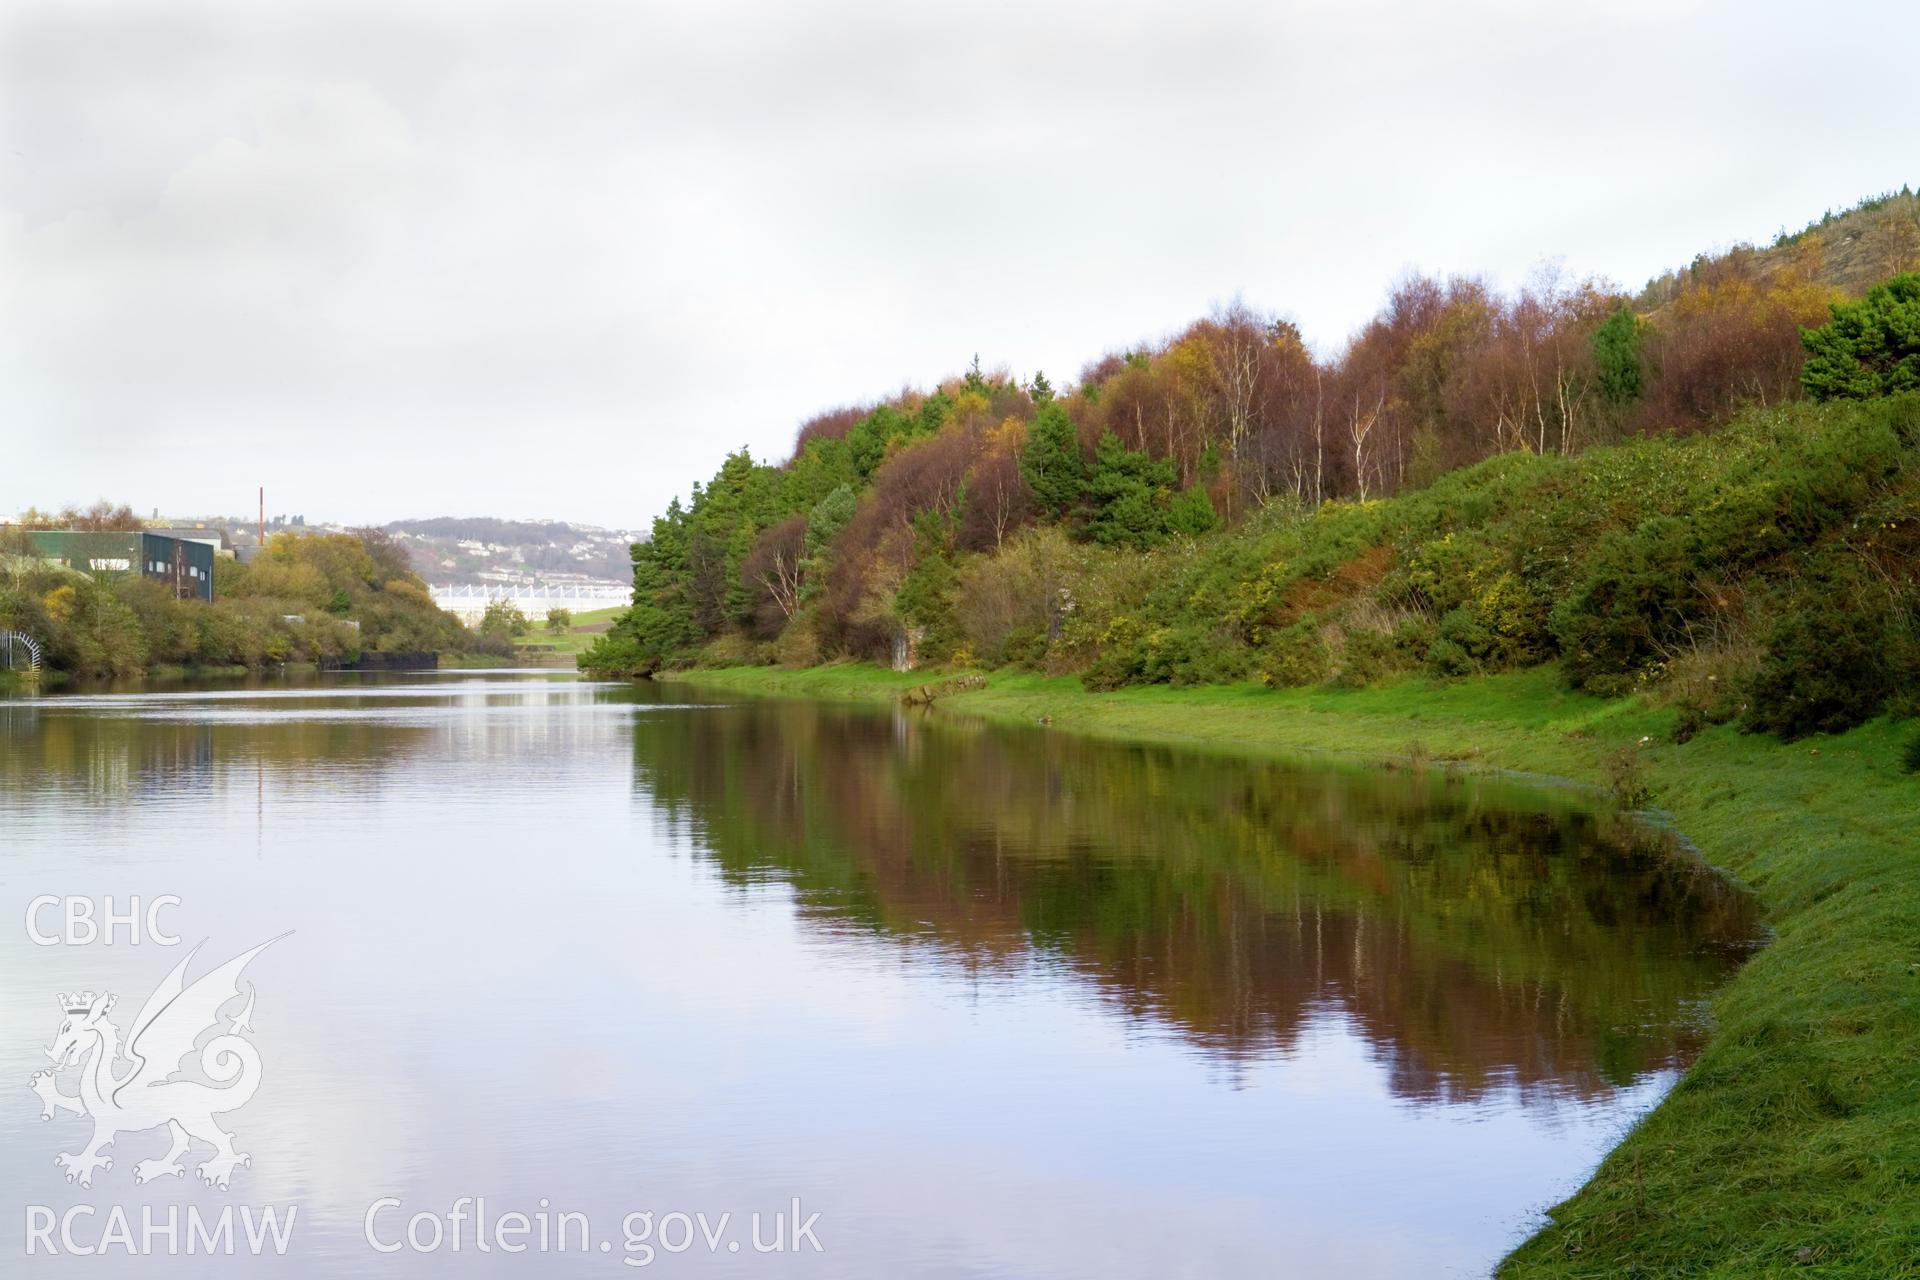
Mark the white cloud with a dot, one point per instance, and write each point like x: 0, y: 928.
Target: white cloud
x: 416, y: 258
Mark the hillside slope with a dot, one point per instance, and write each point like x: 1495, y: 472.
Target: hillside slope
x: 1850, y: 251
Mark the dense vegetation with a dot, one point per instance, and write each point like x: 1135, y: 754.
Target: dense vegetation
x: 295, y: 603
x: 1476, y: 483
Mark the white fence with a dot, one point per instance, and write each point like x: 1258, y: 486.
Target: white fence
x: 19, y: 651
x: 470, y: 601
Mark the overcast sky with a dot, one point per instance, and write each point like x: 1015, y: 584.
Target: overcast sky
x: 556, y: 259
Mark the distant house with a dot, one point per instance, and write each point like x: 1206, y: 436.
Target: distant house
x: 186, y: 566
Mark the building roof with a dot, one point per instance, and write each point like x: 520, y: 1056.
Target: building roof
x: 217, y: 537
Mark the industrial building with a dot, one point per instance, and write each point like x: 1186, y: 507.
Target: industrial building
x: 183, y: 564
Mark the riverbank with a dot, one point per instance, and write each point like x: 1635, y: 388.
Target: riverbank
x: 473, y: 662
x: 1793, y: 1144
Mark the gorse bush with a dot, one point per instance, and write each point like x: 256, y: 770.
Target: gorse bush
x: 1835, y: 653
x: 1623, y: 565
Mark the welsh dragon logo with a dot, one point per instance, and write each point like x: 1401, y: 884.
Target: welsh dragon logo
x: 151, y: 1090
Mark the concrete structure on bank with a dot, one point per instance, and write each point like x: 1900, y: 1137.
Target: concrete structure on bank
x: 185, y: 566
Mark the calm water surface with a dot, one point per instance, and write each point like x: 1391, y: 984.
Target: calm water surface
x: 991, y: 1002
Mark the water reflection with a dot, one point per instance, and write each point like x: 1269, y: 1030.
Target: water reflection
x: 1481, y: 935
x: 997, y: 1002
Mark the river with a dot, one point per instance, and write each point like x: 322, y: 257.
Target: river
x: 663, y: 972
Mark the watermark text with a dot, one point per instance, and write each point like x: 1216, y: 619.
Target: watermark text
x: 81, y: 922
x: 644, y: 1235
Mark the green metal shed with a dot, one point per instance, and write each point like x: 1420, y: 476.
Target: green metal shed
x: 185, y: 566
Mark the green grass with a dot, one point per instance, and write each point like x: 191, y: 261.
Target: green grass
x: 572, y: 642
x: 1792, y: 1147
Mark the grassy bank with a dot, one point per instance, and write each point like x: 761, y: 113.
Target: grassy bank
x: 574, y: 641
x: 542, y: 646
x: 1793, y: 1145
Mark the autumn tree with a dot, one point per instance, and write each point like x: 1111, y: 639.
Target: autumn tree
x: 390, y: 557
x: 910, y: 512
x: 775, y: 574
x: 103, y: 517
x: 1729, y: 338
x: 1286, y: 450
x: 999, y: 498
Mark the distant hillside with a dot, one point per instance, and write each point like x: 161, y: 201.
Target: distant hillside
x: 478, y: 549
x: 1851, y: 250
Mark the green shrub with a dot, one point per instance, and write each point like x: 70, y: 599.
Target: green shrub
x: 1630, y: 605
x: 1191, y: 512
x: 926, y: 601
x: 1627, y: 779
x: 1910, y: 755
x: 1369, y: 655
x: 1130, y: 489
x: 1830, y: 657
x: 1870, y: 348
x: 1023, y: 647
x: 1447, y: 659
x: 1052, y: 463
x: 736, y: 649
x: 503, y: 620
x: 617, y: 654
x: 1297, y: 655
x: 799, y: 643
x: 1187, y: 653
x: 1688, y: 724
x: 1461, y: 643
